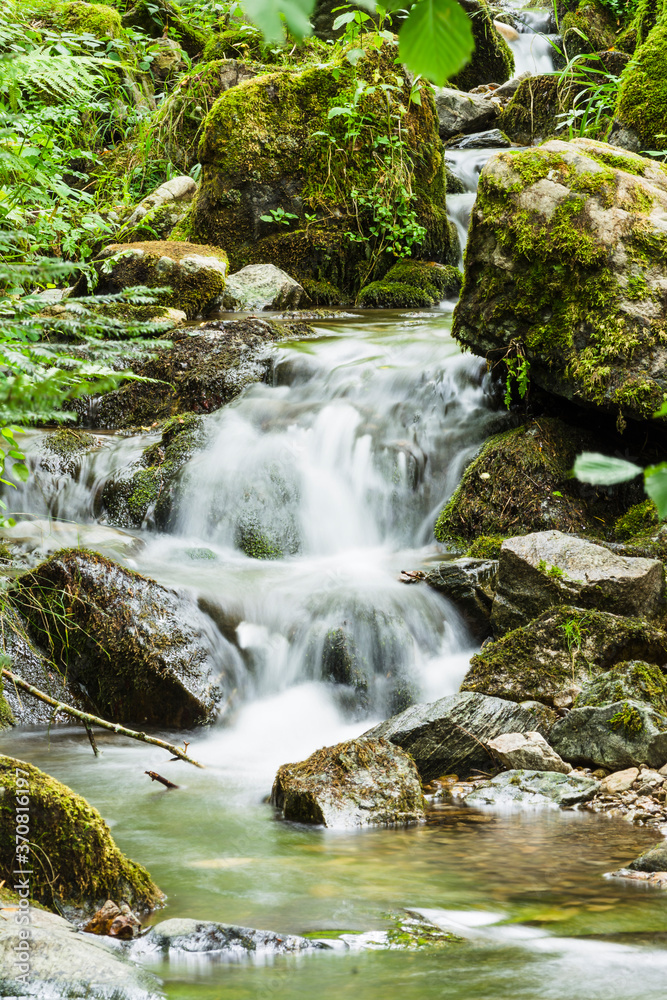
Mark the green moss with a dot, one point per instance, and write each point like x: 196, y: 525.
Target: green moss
x: 520, y: 482
x: 395, y: 295
x: 492, y: 60
x: 152, y: 491
x: 642, y: 96
x: 323, y: 293
x: 271, y: 133
x: 95, y: 19
x: 6, y: 715
x: 635, y: 679
x: 486, y: 547
x: 257, y: 544
x: 595, y: 22
x: 640, y: 518
x: 628, y: 719
x: 414, y: 935
x: 245, y: 42
x: 533, y: 111
x: 444, y: 281
x: 75, y: 859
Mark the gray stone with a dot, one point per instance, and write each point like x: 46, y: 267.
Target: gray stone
x: 619, y: 781
x: 258, y: 287
x: 654, y: 860
x: 547, y: 568
x: 527, y: 750
x: 617, y: 736
x: 180, y: 189
x: 509, y: 89
x: 206, y: 936
x: 528, y: 789
x: 358, y: 783
x: 65, y: 963
x: 470, y: 585
x: 461, y: 112
x: 449, y: 736
x: 625, y: 137
x: 491, y: 139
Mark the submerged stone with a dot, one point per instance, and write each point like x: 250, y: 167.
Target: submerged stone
x: 531, y: 789
x: 363, y: 782
x: 206, y: 937
x: 449, y: 736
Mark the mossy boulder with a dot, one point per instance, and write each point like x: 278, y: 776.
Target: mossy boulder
x: 532, y: 115
x: 95, y: 19
x: 147, y: 493
x: 135, y: 651
x: 195, y: 372
x: 565, y: 650
x: 643, y: 20
x: 641, y: 518
x: 521, y: 481
x: 62, y: 452
x: 77, y: 863
x: 412, y: 284
x: 265, y: 155
x: 6, y: 715
x: 642, y: 95
x: 492, y: 60
x: 634, y: 679
x: 158, y: 213
x: 616, y: 736
x: 590, y: 28
x: 194, y: 274
x: 566, y: 257
x: 360, y: 783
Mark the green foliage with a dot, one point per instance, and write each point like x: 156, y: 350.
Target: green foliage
x: 591, y: 467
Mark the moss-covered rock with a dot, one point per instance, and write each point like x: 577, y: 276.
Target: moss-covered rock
x: 363, y: 782
x: 394, y: 295
x: 492, y: 60
x: 266, y: 151
x: 95, y: 19
x: 641, y: 518
x: 634, y: 679
x: 521, y: 481
x: 323, y: 293
x: 564, y: 651
x: 6, y: 715
x: 644, y: 17
x: 76, y: 862
x: 195, y: 372
x: 135, y: 651
x: 566, y: 258
x: 412, y: 284
x: 590, y: 28
x: 194, y: 274
x: 147, y: 493
x: 486, y: 547
x: 642, y: 95
x: 532, y: 114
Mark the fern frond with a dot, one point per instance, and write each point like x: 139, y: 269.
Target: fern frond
x: 64, y: 77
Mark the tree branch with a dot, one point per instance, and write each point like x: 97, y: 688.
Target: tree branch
x: 88, y: 719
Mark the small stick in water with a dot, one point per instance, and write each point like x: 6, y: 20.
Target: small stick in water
x: 91, y: 737
x: 154, y: 776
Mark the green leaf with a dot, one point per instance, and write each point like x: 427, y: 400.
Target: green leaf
x: 266, y: 14
x: 20, y: 471
x: 655, y: 484
x: 662, y: 412
x: 604, y: 470
x: 343, y: 19
x: 436, y: 39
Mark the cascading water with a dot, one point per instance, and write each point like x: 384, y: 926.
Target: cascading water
x: 335, y: 472
x: 534, y: 49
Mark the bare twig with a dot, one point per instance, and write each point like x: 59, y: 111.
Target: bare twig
x: 91, y: 737
x: 94, y: 720
x: 154, y: 776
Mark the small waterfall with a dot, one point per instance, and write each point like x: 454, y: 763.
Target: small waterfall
x: 534, y: 48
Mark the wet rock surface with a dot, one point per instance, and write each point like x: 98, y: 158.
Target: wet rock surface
x: 616, y: 736
x: 470, y: 585
x: 133, y: 649
x: 449, y: 735
x: 459, y: 111
x: 548, y: 568
x: 359, y: 783
x: 182, y: 934
x: 258, y: 287
x: 529, y: 789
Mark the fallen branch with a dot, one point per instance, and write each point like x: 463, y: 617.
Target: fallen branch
x: 93, y: 720
x: 154, y: 776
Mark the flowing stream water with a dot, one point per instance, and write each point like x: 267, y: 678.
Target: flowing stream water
x: 342, y: 462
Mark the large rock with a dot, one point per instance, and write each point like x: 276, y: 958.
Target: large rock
x: 527, y: 750
x: 642, y: 94
x: 564, y: 651
x: 85, y: 865
x: 449, y: 736
x: 195, y: 274
x: 532, y: 114
x: 159, y: 212
x: 548, y: 568
x: 196, y: 372
x: 634, y: 679
x: 616, y: 736
x: 63, y: 963
x: 260, y: 286
x: 183, y: 934
x: 528, y: 789
x: 362, y: 782
x: 266, y: 166
x: 492, y: 60
x: 566, y: 256
x: 134, y: 650
x: 654, y: 860
x: 539, y: 456
x: 470, y: 585
x: 461, y: 112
